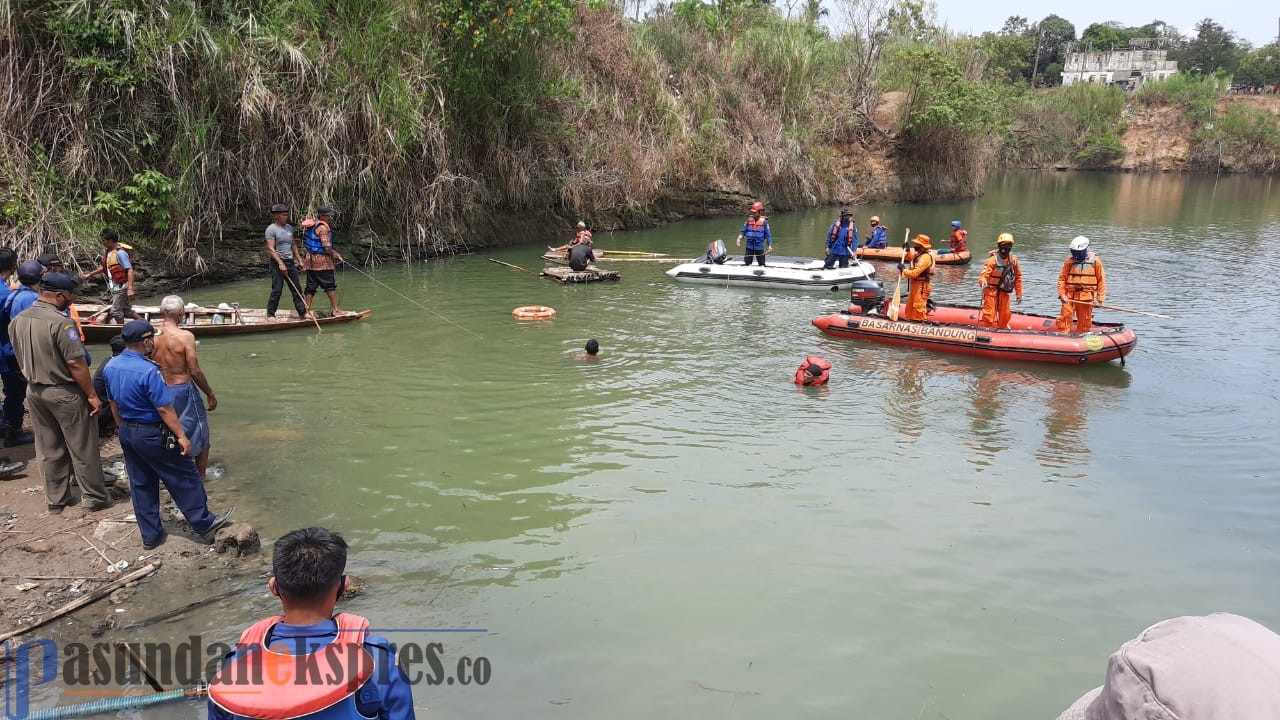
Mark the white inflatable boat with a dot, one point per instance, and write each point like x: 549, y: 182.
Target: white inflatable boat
x: 789, y: 273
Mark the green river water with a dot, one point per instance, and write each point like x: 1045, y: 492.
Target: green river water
x: 678, y: 531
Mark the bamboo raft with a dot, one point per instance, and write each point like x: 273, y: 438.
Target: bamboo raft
x: 614, y: 256
x: 207, y: 321
x: 564, y: 275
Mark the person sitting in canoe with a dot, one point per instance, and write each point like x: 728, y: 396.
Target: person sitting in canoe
x: 842, y: 238
x: 959, y: 240
x: 583, y: 234
x: 879, y: 238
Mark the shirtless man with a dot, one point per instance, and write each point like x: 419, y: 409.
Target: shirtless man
x: 176, y: 355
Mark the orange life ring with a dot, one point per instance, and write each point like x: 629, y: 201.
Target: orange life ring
x: 534, y: 312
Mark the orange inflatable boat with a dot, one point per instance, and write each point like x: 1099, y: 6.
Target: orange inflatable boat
x: 894, y: 254
x: 955, y: 329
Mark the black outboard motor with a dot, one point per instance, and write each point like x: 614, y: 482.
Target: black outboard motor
x: 717, y: 253
x: 866, y: 294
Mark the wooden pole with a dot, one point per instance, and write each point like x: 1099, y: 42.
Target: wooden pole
x: 513, y: 267
x: 78, y: 603
x: 1124, y: 309
x: 142, y: 666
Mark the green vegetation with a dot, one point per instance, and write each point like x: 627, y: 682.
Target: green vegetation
x: 1196, y: 94
x: 1080, y: 124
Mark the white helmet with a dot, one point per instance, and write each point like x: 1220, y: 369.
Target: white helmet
x: 1080, y: 243
x: 582, y: 225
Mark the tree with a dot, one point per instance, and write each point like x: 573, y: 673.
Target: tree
x: 1213, y: 49
x: 1054, y: 33
x: 814, y: 12
x: 1108, y: 35
x: 1008, y: 56
x: 1016, y: 25
x: 1261, y: 65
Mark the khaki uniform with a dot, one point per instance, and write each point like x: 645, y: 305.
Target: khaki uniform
x: 66, y: 437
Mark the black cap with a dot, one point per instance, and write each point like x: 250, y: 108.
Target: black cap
x: 325, y: 210
x: 62, y: 282
x: 29, y: 272
x: 136, y: 331
x: 844, y: 212
x: 49, y: 260
x: 117, y: 345
x: 278, y: 208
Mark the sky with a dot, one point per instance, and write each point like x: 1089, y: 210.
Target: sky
x: 1253, y: 20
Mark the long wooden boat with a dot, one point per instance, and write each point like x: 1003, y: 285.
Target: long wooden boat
x: 955, y: 329
x: 894, y: 254
x: 208, y: 322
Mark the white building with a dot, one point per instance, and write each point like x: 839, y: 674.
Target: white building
x: 1126, y: 68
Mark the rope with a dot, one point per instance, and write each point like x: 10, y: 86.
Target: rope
x: 412, y: 301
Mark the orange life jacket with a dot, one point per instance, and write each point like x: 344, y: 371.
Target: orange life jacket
x: 804, y: 378
x: 1083, y: 275
x: 959, y: 240
x: 1005, y: 273
x: 111, y: 263
x: 264, y: 684
x: 918, y: 257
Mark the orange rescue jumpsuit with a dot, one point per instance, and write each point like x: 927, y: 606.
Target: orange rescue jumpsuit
x: 998, y: 280
x: 1084, y: 281
x: 920, y: 273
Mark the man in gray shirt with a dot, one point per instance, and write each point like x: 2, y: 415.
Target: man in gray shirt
x: 280, y: 248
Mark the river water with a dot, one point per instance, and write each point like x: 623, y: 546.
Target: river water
x: 676, y: 530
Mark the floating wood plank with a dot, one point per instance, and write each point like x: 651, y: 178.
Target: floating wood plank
x: 564, y: 275
x: 91, y: 597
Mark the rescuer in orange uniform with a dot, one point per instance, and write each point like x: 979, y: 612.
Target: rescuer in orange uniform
x: 1082, y: 280
x: 918, y: 268
x: 1001, y: 276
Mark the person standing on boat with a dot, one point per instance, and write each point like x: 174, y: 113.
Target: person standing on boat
x: 321, y: 260
x: 279, y: 239
x: 580, y: 255
x: 175, y: 353
x: 842, y: 238
x: 756, y: 231
x: 1082, y: 284
x: 959, y: 238
x: 117, y: 266
x: 359, y: 675
x: 918, y: 268
x: 1001, y: 276
x: 143, y: 408
x: 15, y: 383
x: 879, y: 238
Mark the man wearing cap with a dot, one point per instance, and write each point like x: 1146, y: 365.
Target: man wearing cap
x: 60, y: 396
x: 1001, y: 277
x: 1209, y: 667
x: 321, y: 260
x: 279, y: 237
x: 842, y: 238
x: 116, y: 265
x: 143, y: 408
x: 15, y: 385
x: 759, y: 237
x: 51, y: 263
x: 918, y: 268
x: 879, y: 238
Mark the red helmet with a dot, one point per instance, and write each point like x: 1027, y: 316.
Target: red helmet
x: 757, y: 206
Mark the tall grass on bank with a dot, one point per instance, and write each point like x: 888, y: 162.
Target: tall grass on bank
x: 1196, y: 94
x: 1241, y: 139
x: 1078, y: 125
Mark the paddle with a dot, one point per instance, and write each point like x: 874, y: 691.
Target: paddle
x: 513, y: 267
x: 1124, y: 309
x: 897, y: 291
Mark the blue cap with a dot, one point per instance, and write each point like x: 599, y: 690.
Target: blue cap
x: 61, y: 282
x: 955, y: 223
x: 136, y: 331
x: 29, y: 272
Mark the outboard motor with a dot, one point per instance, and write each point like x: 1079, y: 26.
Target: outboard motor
x: 717, y: 253
x: 866, y: 294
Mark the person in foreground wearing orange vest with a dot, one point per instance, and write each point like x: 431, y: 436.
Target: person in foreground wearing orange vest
x: 813, y: 371
x: 918, y: 268
x: 1001, y: 276
x: 756, y: 231
x: 1081, y: 285
x: 583, y: 235
x: 959, y: 239
x: 359, y: 675
x: 117, y: 266
x: 322, y: 259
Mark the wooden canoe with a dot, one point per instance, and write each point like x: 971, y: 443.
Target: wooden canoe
x: 208, y: 322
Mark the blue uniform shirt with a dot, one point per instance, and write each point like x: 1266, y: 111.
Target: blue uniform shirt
x: 879, y: 238
x: 841, y: 238
x: 15, y: 301
x: 757, y: 234
x: 393, y: 686
x: 135, y: 385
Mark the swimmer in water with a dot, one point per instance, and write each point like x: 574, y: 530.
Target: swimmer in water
x: 592, y: 351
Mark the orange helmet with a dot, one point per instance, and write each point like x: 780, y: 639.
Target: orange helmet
x: 757, y: 206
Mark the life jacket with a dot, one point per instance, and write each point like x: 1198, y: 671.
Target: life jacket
x: 840, y: 237
x: 1083, y: 275
x: 756, y: 229
x: 879, y: 237
x: 263, y: 684
x: 804, y: 378
x: 1008, y: 272
x: 111, y: 263
x: 959, y: 240
x: 312, y: 239
x: 927, y: 275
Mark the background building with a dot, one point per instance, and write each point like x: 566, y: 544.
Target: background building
x: 1141, y: 63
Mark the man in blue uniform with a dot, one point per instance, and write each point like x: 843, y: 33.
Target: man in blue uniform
x: 143, y: 408
x: 756, y: 231
x: 842, y: 238
x: 307, y: 567
x: 879, y: 239
x: 15, y: 384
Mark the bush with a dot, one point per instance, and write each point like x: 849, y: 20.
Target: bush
x: 1197, y: 94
